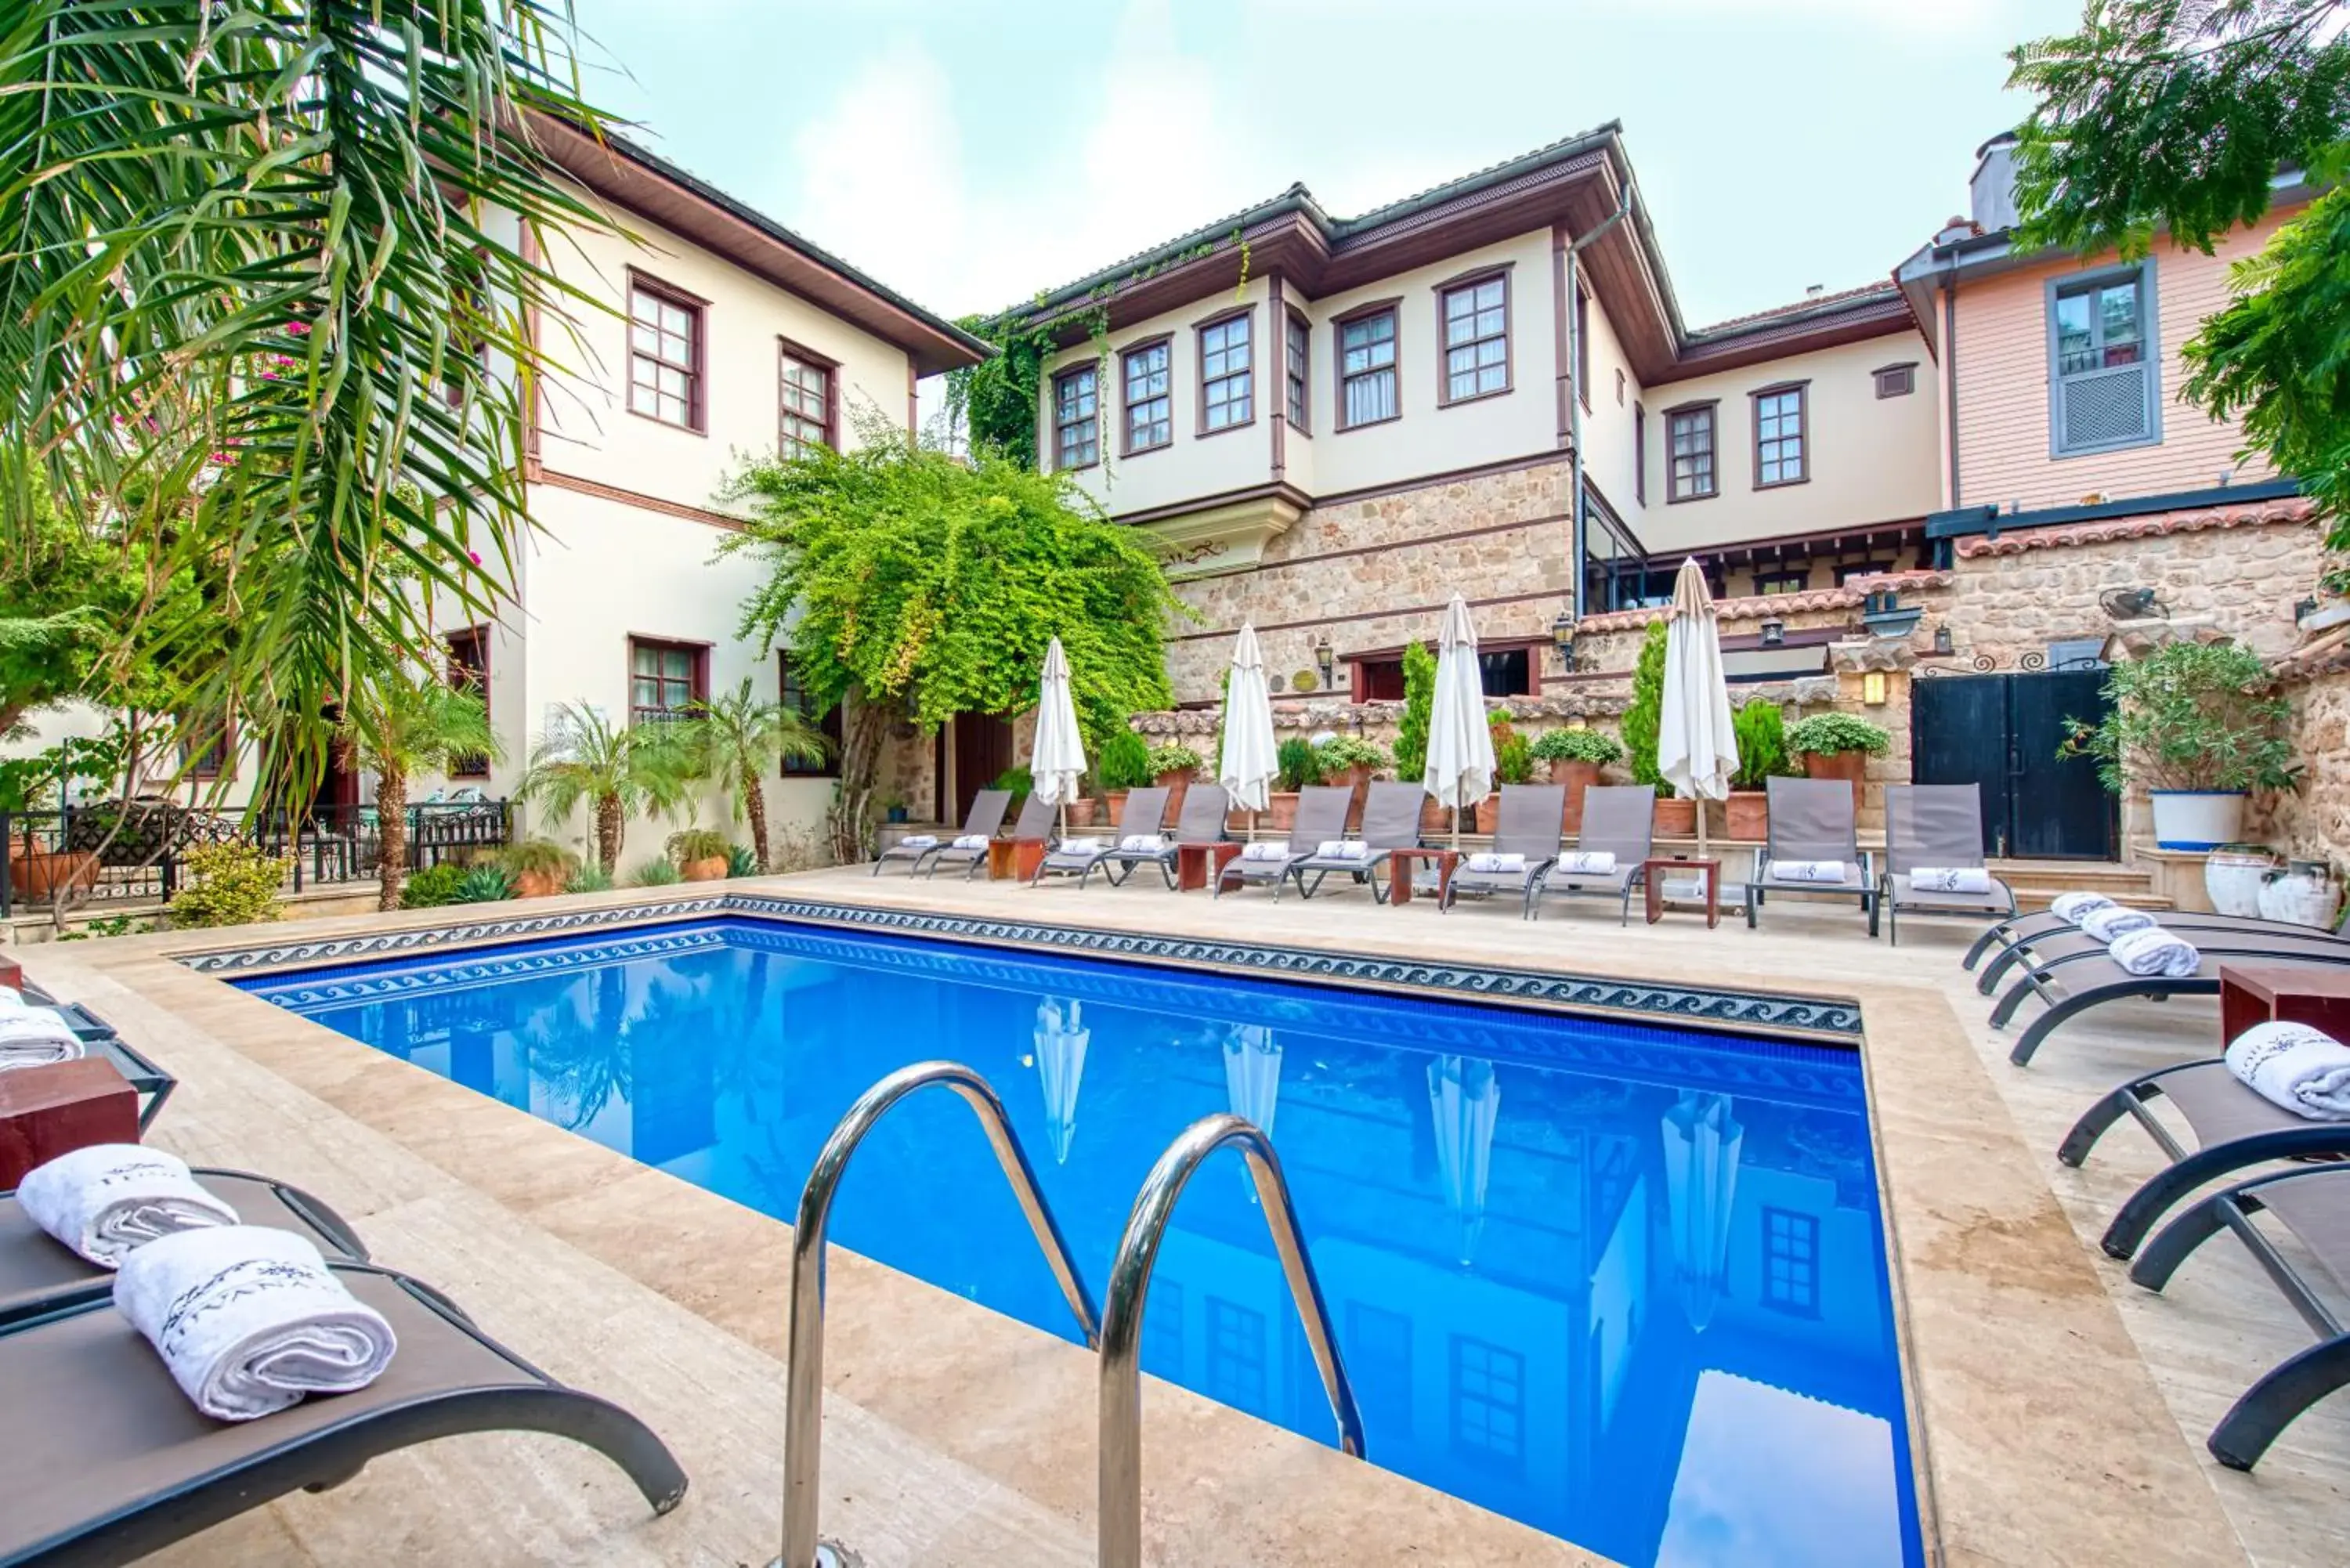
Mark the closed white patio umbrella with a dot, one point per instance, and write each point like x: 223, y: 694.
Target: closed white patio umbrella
x: 1702, y: 1140
x: 1058, y: 759
x: 1061, y: 1040
x: 1697, y: 750
x: 1248, y: 765
x: 1465, y: 1098
x: 1460, y: 746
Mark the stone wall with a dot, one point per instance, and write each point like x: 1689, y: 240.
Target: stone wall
x: 2312, y: 822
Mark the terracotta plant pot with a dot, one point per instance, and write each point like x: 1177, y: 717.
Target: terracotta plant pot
x: 1279, y: 811
x: 1082, y: 810
x: 1747, y: 814
x: 1175, y: 783
x: 1488, y: 814
x: 1850, y: 765
x: 710, y: 870
x: 41, y: 873
x: 1577, y: 776
x: 1117, y: 802
x: 1357, y: 779
x: 537, y: 885
x: 1676, y: 817
x: 1434, y: 820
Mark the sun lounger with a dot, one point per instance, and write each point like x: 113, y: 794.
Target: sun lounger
x: 1812, y: 820
x: 2003, y: 934
x: 1201, y: 821
x: 39, y: 1274
x: 1321, y: 815
x: 1934, y: 826
x: 2084, y: 982
x: 1146, y: 812
x: 126, y: 1465
x: 1530, y: 826
x: 1619, y: 820
x: 986, y: 815
x: 1390, y: 822
x: 2067, y: 943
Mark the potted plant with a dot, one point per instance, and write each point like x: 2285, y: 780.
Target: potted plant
x: 893, y: 809
x: 1351, y: 761
x: 1411, y: 728
x: 1298, y: 765
x: 1172, y: 765
x: 1124, y: 765
x: 1514, y: 764
x: 539, y: 867
x: 1761, y: 732
x: 1643, y: 715
x: 29, y: 785
x: 1839, y: 746
x: 2198, y: 726
x: 1576, y: 757
x: 699, y: 854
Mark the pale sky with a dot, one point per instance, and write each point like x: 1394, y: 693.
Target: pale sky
x: 969, y: 154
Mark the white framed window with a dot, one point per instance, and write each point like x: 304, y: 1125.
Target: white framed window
x: 1077, y: 418
x: 1782, y: 446
x: 1227, y: 375
x: 1476, y: 338
x: 2103, y: 358
x: 1367, y: 368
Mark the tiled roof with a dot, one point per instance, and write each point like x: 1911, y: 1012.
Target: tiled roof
x: 1755, y: 606
x: 2254, y: 514
x: 1797, y: 307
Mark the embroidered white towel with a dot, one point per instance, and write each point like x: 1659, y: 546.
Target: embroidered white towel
x: 1949, y: 879
x: 970, y: 841
x: 108, y: 1199
x: 2153, y: 951
x: 2070, y: 907
x: 1343, y: 849
x: 250, y: 1320
x: 1083, y: 847
x: 1588, y: 863
x: 2306, y: 1069
x: 35, y: 1037
x: 1487, y: 860
x: 1267, y: 849
x: 919, y: 841
x: 1142, y: 843
x: 2117, y: 922
x: 1808, y: 870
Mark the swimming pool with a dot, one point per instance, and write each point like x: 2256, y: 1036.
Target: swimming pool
x: 1622, y: 1282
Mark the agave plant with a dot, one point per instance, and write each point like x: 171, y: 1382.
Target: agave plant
x: 485, y: 883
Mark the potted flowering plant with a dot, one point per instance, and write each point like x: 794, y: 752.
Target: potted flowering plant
x: 1514, y: 764
x: 1299, y: 765
x: 1839, y: 746
x: 1173, y: 765
x: 1124, y: 765
x: 2199, y: 726
x: 1761, y: 732
x: 1576, y: 757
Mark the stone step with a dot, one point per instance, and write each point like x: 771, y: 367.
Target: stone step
x: 2030, y: 900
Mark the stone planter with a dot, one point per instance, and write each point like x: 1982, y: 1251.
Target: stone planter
x: 1852, y: 766
x: 712, y: 869
x: 1577, y: 776
x: 1176, y: 783
x: 2233, y: 877
x: 1676, y: 817
x: 2197, y: 819
x: 1082, y: 810
x: 1746, y: 814
x: 42, y: 874
x: 2305, y: 895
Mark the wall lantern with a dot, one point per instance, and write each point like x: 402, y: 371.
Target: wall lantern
x: 1561, y: 637
x: 1943, y: 645
x: 1872, y: 688
x: 1326, y: 659
x: 1774, y: 633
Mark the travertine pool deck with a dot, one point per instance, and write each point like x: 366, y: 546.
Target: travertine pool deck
x: 2063, y: 1410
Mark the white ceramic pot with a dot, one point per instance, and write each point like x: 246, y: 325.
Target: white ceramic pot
x: 2305, y: 895
x: 2197, y: 819
x: 2233, y: 877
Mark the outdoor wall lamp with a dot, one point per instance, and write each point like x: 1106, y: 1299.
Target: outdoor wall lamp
x: 1326, y: 659
x: 1561, y: 637
x: 1872, y: 688
x: 1774, y: 633
x: 1943, y: 645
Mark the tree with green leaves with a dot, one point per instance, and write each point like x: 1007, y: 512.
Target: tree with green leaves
x: 738, y: 737
x: 401, y: 725
x: 1418, y: 708
x: 1644, y: 715
x: 922, y: 587
x: 2180, y: 118
x: 619, y: 770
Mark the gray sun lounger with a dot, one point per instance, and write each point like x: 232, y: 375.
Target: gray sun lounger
x: 127, y: 1464
x: 1938, y: 825
x: 1531, y: 823
x: 1320, y: 817
x: 1201, y: 821
x: 2089, y: 982
x: 39, y: 1274
x: 1146, y: 812
x: 1813, y: 819
x: 2004, y: 934
x: 986, y: 815
x: 2070, y: 945
x: 1619, y: 820
x: 2315, y: 1204
x: 1390, y: 822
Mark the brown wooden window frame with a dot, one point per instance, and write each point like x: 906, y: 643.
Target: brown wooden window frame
x: 829, y: 726
x: 1164, y: 347
x: 696, y: 680
x: 1297, y: 372
x: 1639, y: 453
x: 788, y: 355
x: 1788, y: 580
x: 1469, y: 283
x: 472, y: 672
x: 1895, y: 380
x: 1582, y: 342
x: 695, y: 370
x: 1064, y: 422
x: 1246, y: 318
x: 1802, y: 439
x: 1709, y: 412
x: 215, y: 758
x: 1393, y: 369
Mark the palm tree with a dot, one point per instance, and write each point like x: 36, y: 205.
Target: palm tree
x: 738, y: 737
x: 408, y: 723
x: 617, y: 770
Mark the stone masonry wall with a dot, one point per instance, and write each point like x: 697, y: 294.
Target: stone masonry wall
x: 2312, y: 822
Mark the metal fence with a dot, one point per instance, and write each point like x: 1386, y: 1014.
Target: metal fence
x: 115, y: 854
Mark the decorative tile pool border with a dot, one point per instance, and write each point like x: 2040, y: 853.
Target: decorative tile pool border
x: 1825, y: 1019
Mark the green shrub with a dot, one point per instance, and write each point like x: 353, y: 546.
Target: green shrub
x: 485, y: 884
x: 589, y: 879
x: 741, y: 862
x: 1418, y: 703
x: 1019, y: 781
x: 105, y: 926
x: 1124, y: 762
x: 2188, y: 716
x: 657, y: 874
x: 1829, y: 735
x: 1173, y: 757
x: 1577, y: 746
x: 229, y: 885
x: 693, y: 844
x: 1299, y: 761
x: 538, y: 857
x: 1513, y: 756
x: 433, y: 887
x: 1645, y: 712
x: 1343, y: 751
x: 1761, y: 732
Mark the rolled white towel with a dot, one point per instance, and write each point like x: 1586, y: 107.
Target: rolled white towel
x: 2117, y: 922
x: 1949, y: 879
x: 1808, y: 870
x: 108, y: 1199
x: 1689, y: 891
x: 1487, y: 860
x: 37, y: 1036
x: 2070, y: 907
x: 1266, y: 849
x: 970, y: 841
x: 11, y: 999
x: 1083, y: 847
x: 1142, y: 843
x: 1343, y: 849
x: 1588, y: 863
x: 2306, y: 1069
x: 2153, y: 951
x: 250, y: 1320
x: 919, y: 841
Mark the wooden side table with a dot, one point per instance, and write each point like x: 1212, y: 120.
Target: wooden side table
x: 1011, y: 859
x: 1198, y: 865
x: 49, y: 1111
x: 1400, y: 862
x: 1653, y: 873
x: 2255, y: 993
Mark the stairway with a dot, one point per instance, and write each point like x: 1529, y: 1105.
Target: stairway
x: 2037, y: 881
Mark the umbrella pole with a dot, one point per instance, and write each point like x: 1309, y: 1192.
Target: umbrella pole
x: 1703, y: 876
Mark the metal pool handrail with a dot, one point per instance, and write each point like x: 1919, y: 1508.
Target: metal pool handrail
x: 1120, y: 1494
x: 804, y: 1396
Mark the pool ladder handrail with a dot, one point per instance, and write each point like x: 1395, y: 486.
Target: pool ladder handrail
x: 804, y: 1382
x: 1118, y: 1500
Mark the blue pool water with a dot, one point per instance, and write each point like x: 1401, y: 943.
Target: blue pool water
x: 1623, y: 1282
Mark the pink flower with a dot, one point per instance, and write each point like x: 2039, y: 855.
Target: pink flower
x: 475, y: 557
x: 269, y: 375
x: 297, y: 328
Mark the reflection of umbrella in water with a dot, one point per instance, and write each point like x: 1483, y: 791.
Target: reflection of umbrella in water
x: 1465, y: 1098
x: 1253, y: 1073
x: 1701, y: 1145
x: 1061, y: 1037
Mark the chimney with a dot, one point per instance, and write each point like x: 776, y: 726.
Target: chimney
x: 1992, y: 189
x: 1814, y: 290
